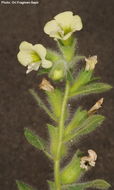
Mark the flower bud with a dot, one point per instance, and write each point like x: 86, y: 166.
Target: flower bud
x: 91, y: 62
x: 57, y: 72
x: 57, y: 75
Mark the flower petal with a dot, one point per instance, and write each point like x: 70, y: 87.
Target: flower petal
x: 64, y: 19
x: 40, y: 50
x: 24, y: 58
x: 25, y: 46
x: 90, y: 63
x: 46, y: 63
x: 76, y: 23
x: 67, y: 36
x: 51, y: 28
x: 33, y: 66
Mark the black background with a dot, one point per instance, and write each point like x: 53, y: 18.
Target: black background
x: 18, y: 159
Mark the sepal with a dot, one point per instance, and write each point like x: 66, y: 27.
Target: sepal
x: 68, y: 48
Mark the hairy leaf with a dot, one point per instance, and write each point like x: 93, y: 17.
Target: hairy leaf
x: 79, y: 116
x: 23, y: 186
x: 34, y: 139
x: 53, y: 133
x: 54, y: 136
x: 89, y: 125
x: 72, y: 172
x: 51, y: 185
x: 52, y: 55
x: 83, y: 78
x: 91, y: 88
x: 55, y: 99
x: 98, y: 184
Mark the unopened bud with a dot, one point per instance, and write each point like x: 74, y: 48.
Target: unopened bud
x: 57, y: 74
x: 90, y: 63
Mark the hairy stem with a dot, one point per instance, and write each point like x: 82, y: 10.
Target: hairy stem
x: 60, y: 138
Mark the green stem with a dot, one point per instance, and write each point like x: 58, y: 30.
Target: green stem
x: 47, y: 154
x: 61, y: 132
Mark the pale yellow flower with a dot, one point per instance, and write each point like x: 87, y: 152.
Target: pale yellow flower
x: 63, y: 25
x: 91, y: 62
x: 33, y: 56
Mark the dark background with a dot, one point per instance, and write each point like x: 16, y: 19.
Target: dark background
x: 18, y: 159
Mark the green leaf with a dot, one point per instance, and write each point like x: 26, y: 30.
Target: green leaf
x: 23, y: 186
x: 52, y: 55
x: 83, y: 78
x: 53, y: 133
x: 72, y: 172
x: 91, y: 88
x: 69, y: 76
x: 41, y: 104
x: 98, y: 184
x: 42, y: 71
x: 79, y: 116
x: 94, y: 79
x: 34, y: 139
x: 55, y: 99
x: 51, y: 185
x: 89, y: 125
x: 75, y: 187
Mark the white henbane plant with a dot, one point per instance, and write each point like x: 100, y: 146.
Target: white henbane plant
x: 65, y: 128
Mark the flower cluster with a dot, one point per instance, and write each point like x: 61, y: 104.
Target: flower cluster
x: 60, y: 28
